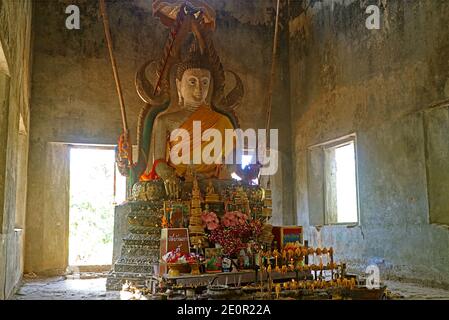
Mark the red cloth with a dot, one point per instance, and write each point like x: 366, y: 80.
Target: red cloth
x: 152, y: 175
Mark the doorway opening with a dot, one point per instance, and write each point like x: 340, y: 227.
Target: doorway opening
x: 95, y: 188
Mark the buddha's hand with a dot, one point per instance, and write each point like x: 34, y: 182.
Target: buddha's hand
x: 171, y: 182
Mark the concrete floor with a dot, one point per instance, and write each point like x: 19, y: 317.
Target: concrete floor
x: 411, y: 291
x: 61, y: 288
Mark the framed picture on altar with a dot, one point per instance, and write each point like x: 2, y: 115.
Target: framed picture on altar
x: 213, y: 259
x: 177, y: 213
x: 287, y: 234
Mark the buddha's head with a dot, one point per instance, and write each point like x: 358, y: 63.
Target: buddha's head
x: 193, y: 87
x: 200, y: 78
x: 193, y: 80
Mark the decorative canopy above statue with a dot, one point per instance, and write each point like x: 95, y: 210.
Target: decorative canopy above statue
x: 167, y: 11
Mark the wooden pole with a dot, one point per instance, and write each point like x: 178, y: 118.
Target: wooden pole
x: 273, y: 70
x: 107, y: 32
x: 272, y: 75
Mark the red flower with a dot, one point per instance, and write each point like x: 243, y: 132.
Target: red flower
x: 235, y: 232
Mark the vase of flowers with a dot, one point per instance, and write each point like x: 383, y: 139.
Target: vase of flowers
x: 178, y: 262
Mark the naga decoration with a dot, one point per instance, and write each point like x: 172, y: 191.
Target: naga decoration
x: 184, y: 18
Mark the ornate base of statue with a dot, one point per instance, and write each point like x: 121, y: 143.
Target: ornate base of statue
x: 140, y: 246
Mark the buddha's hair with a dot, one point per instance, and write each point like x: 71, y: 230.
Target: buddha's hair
x: 193, y: 60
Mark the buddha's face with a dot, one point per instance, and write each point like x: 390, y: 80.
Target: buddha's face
x: 194, y: 87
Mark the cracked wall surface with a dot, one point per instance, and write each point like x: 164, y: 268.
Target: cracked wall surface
x: 384, y: 85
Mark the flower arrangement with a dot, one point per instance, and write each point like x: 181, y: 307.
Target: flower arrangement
x: 210, y: 220
x: 234, y: 218
x: 235, y: 231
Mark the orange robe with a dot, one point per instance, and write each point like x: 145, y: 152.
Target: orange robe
x: 209, y: 119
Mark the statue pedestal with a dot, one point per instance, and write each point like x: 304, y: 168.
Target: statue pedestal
x: 139, y: 249
x: 121, y: 229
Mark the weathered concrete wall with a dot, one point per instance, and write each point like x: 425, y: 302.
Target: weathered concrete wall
x: 74, y: 98
x: 15, y: 37
x: 377, y: 83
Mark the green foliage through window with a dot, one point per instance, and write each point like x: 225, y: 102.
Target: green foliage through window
x: 91, y: 206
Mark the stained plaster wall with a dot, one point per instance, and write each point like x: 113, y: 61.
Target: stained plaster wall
x: 74, y: 99
x: 381, y: 85
x: 15, y: 37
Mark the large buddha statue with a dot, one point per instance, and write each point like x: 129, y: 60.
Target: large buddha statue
x: 187, y: 85
x: 199, y: 79
x: 194, y: 85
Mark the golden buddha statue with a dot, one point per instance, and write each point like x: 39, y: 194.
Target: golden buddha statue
x: 211, y: 196
x: 210, y: 190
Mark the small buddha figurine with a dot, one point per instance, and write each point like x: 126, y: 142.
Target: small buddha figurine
x: 211, y: 196
x: 210, y: 188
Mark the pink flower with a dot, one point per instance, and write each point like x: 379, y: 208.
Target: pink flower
x: 226, y: 222
x: 210, y: 220
x: 234, y: 218
x: 212, y: 225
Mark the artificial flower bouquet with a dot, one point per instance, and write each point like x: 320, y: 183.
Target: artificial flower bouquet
x: 233, y: 232
x: 210, y: 220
